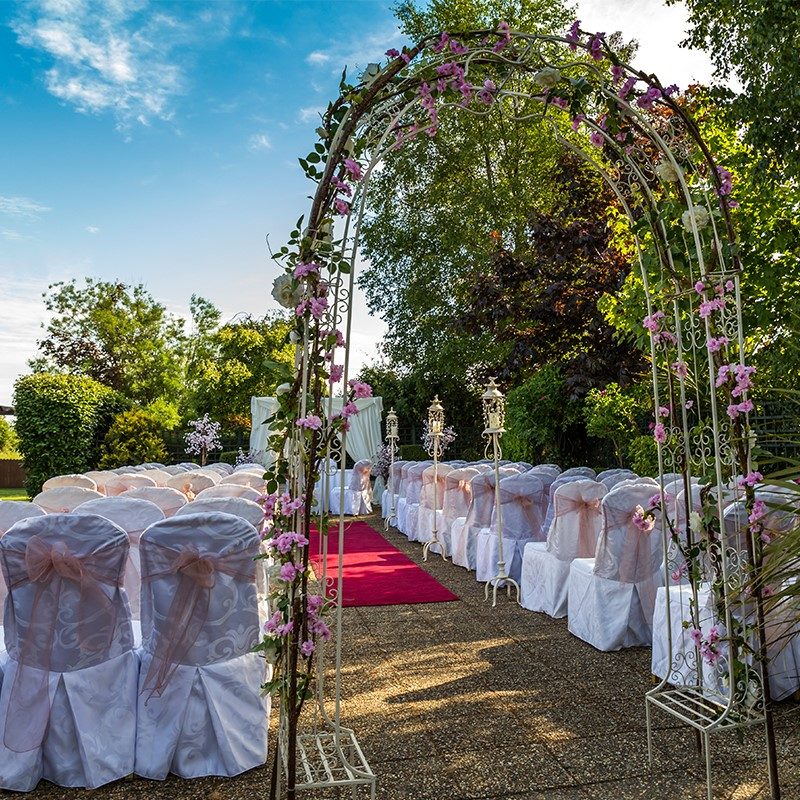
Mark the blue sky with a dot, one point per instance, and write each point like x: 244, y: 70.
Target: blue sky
x: 158, y: 141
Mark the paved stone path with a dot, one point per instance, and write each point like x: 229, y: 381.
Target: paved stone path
x: 459, y: 701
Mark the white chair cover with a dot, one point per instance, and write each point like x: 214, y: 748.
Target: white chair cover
x: 426, y: 511
x: 559, y: 481
x: 129, y: 480
x: 68, y: 700
x: 582, y: 472
x: 12, y: 511
x: 200, y: 709
x: 457, y: 499
x: 238, y: 506
x: 230, y: 490
x: 402, y: 489
x: 612, y: 596
x: 167, y: 499
x: 100, y: 477
x: 357, y: 490
x: 244, y: 478
x: 64, y: 499
x: 221, y: 467
x: 191, y: 483
x: 160, y: 476
x: 249, y: 467
x: 69, y: 480
x: 134, y: 516
x: 407, y: 517
x: 464, y: 534
x: 577, y: 523
x: 617, y: 477
x: 392, y: 487
x: 214, y: 474
x: 522, y: 508
x: 175, y: 469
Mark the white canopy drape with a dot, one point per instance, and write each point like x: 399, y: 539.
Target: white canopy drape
x: 363, y: 438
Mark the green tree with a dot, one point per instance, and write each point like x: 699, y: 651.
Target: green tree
x: 116, y: 334
x: 8, y: 438
x: 756, y: 42
x: 243, y: 358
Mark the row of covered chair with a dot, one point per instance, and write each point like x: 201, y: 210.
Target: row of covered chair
x: 80, y: 703
x: 576, y: 544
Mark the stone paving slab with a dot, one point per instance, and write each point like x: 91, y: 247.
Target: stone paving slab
x: 460, y: 701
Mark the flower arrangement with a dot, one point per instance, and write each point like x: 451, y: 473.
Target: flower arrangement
x: 445, y: 438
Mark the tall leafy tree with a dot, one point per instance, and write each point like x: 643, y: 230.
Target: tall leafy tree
x: 757, y: 42
x: 246, y: 357
x: 116, y: 334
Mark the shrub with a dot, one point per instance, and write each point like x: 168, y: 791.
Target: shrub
x: 542, y: 422
x: 611, y: 414
x: 228, y: 456
x: 61, y: 419
x: 133, y: 438
x: 9, y: 442
x: 643, y: 456
x: 412, y: 452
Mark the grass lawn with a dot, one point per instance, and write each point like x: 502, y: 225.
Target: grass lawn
x: 13, y: 494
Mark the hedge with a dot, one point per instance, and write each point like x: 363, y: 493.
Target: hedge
x: 61, y: 423
x: 133, y: 438
x: 413, y: 452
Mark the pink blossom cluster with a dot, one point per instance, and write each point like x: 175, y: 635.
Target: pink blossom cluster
x: 311, y: 422
x: 716, y: 344
x: 316, y: 625
x: 678, y: 573
x: 660, y: 433
x: 643, y: 520
x: 360, y: 390
x: 757, y: 514
x: 284, y: 542
x: 751, y: 479
x: 708, y: 307
x: 648, y: 99
x: 653, y: 323
x: 741, y: 376
x: 277, y: 627
x: 709, y: 647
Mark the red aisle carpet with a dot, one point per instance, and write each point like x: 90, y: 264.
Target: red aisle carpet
x: 375, y: 572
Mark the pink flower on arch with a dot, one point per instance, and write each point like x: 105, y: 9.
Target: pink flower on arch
x: 353, y: 168
x: 349, y: 410
x: 393, y: 52
x: 660, y: 433
x: 681, y: 369
x: 337, y: 370
x: 715, y: 345
x: 342, y: 208
x: 596, y: 46
x: 303, y: 270
x: 307, y: 648
x: 573, y: 35
x: 310, y: 421
x: 597, y: 138
x: 647, y: 100
x: 360, y: 389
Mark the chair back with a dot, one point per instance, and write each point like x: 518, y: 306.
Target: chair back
x: 65, y: 610
x: 577, y: 520
x: 221, y: 467
x: 250, y: 466
x: 396, y: 475
x: 12, y: 511
x: 64, y: 499
x: 613, y: 477
x: 359, y: 478
x: 238, y: 506
x: 100, y: 476
x: 199, y: 599
x: 245, y: 478
x: 457, y: 492
x: 191, y: 483
x: 523, y: 504
x: 69, y: 480
x: 167, y: 499
x: 175, y: 469
x: 434, y: 476
x: 481, y: 505
x: 582, y: 472
x: 230, y: 490
x: 625, y: 553
x: 561, y: 480
x: 129, y: 480
x: 158, y: 475
x: 414, y: 481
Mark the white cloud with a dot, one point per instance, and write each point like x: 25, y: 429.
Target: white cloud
x: 115, y: 56
x: 310, y: 114
x: 92, y: 229
x: 359, y: 51
x: 259, y: 141
x: 12, y: 236
x: 21, y: 207
x: 318, y: 57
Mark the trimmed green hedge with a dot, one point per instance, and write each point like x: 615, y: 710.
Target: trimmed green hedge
x: 133, y: 438
x: 61, y: 423
x: 413, y: 452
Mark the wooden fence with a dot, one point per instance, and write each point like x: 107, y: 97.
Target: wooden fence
x: 12, y: 475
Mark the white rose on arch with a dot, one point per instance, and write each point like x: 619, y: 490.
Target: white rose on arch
x: 667, y: 172
x: 284, y: 293
x: 370, y: 73
x: 701, y: 217
x: 547, y: 77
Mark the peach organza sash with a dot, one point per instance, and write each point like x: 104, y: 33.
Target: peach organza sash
x: 197, y: 574
x: 51, y: 566
x: 586, y: 513
x: 625, y: 551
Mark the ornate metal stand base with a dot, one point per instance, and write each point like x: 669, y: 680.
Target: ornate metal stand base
x: 495, y: 582
x: 322, y: 764
x: 427, y: 548
x: 705, y: 714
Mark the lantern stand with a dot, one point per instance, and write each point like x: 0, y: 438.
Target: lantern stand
x: 435, y: 431
x: 494, y: 413
x: 392, y: 438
